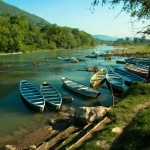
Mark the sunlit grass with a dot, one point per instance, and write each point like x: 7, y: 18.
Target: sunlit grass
x: 125, y: 114
x: 134, y: 51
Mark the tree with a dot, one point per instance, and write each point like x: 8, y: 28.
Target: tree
x: 139, y: 9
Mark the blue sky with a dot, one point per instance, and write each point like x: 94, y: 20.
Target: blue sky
x: 76, y: 14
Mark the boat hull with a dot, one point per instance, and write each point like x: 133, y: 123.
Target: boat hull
x: 114, y: 81
x: 51, y: 95
x: 129, y: 77
x: 98, y: 78
x: 80, y: 88
x: 136, y: 70
x: 32, y: 96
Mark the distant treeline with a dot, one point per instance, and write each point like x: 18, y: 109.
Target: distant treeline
x: 17, y: 34
x: 126, y: 41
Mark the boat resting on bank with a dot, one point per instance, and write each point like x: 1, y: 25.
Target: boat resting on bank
x: 51, y: 95
x: 137, y: 70
x: 80, y: 88
x: 114, y: 80
x: 98, y: 78
x: 128, y: 77
x: 32, y: 95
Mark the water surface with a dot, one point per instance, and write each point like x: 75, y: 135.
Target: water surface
x: 17, y: 118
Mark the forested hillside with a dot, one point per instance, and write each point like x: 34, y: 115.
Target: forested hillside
x: 17, y: 34
x: 20, y: 31
x: 6, y: 9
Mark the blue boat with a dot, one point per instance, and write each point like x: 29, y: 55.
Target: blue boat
x: 51, y: 95
x: 114, y: 80
x: 91, y: 56
x: 128, y: 77
x: 32, y: 95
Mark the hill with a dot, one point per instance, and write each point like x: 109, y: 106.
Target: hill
x: 105, y: 37
x: 6, y: 9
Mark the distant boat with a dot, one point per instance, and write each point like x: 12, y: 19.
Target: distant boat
x: 98, y: 78
x: 137, y: 70
x: 64, y: 58
x: 32, y: 95
x: 74, y: 60
x: 51, y: 95
x: 114, y: 80
x: 121, y: 62
x: 129, y: 77
x: 96, y: 52
x: 91, y: 56
x: 80, y: 88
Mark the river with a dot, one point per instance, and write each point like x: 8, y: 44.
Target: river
x: 18, y: 119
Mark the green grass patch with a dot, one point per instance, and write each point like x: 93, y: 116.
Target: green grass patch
x: 133, y: 51
x: 136, y: 126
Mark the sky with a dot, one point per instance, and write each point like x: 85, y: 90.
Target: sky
x: 77, y: 14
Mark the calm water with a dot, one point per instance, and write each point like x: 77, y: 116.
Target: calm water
x: 16, y: 118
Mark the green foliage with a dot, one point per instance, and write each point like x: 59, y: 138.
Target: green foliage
x: 140, y: 9
x: 17, y: 34
x: 21, y: 31
x: 136, y: 131
x: 135, y: 41
x: 7, y: 10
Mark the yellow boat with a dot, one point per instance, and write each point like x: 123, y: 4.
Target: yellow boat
x: 98, y: 78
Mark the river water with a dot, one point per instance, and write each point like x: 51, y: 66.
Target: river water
x: 18, y: 119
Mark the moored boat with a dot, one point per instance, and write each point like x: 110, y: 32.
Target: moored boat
x: 64, y: 58
x: 80, y: 88
x: 32, y: 95
x: 137, y: 70
x: 51, y: 95
x: 114, y: 80
x: 74, y: 60
x: 91, y: 56
x: 98, y: 78
x: 128, y: 77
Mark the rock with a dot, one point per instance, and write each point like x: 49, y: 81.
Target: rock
x: 51, y: 121
x: 103, y: 144
x: 32, y: 147
x: 67, y: 99
x: 117, y: 130
x: 10, y: 147
x: 91, y: 114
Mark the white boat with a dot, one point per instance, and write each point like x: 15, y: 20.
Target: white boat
x: 114, y: 80
x: 32, y: 95
x: 80, y: 88
x: 51, y: 95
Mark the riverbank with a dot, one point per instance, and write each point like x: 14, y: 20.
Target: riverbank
x: 141, y: 51
x: 107, y: 135
x: 125, y: 131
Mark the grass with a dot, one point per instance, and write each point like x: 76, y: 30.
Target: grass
x: 132, y: 115
x: 133, y: 51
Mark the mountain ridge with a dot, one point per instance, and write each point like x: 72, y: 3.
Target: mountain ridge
x: 105, y: 37
x: 7, y: 9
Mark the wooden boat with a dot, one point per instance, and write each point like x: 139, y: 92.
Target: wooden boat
x: 80, y: 88
x: 137, y: 70
x: 74, y: 60
x: 64, y: 58
x: 51, y: 95
x: 92, y: 56
x: 114, y: 80
x: 129, y: 77
x: 98, y: 78
x: 32, y: 95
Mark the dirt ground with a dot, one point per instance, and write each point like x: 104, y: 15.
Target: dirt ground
x: 46, y: 132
